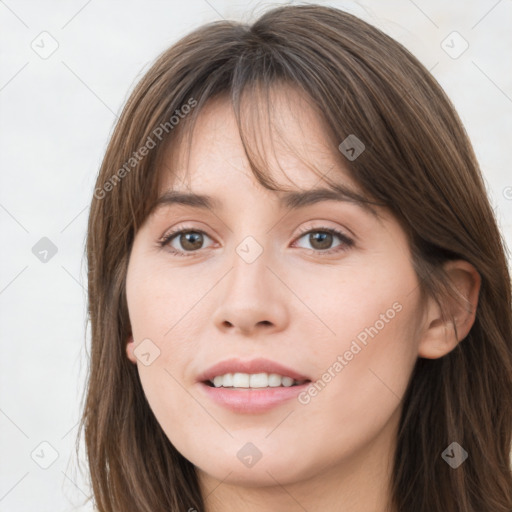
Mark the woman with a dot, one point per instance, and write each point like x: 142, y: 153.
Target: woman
x: 298, y: 292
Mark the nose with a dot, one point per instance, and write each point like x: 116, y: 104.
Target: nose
x: 251, y: 299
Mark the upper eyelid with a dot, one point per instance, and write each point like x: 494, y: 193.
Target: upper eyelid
x: 186, y: 227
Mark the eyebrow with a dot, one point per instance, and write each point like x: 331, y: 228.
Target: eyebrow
x: 293, y: 200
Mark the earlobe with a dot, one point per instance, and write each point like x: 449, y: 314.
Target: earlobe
x: 130, y: 346
x: 439, y: 336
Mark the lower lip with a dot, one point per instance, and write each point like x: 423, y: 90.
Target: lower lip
x: 252, y: 400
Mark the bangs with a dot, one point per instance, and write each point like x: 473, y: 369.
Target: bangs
x: 256, y: 109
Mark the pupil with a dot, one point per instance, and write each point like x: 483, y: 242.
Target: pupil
x: 190, y: 244
x: 322, y: 237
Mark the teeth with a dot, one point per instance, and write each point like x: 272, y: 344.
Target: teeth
x: 254, y: 380
x: 240, y: 380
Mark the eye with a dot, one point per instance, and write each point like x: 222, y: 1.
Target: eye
x: 190, y: 241
x: 322, y: 238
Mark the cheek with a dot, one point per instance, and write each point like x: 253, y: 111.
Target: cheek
x: 368, y: 346
x: 164, y: 325
x: 157, y: 299
x: 373, y: 302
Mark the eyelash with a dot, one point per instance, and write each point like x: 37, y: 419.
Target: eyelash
x: 344, y: 246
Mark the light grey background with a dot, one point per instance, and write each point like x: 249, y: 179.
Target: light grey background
x: 57, y: 113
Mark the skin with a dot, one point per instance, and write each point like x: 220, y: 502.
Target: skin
x: 291, y: 305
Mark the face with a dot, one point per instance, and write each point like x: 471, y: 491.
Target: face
x: 325, y: 290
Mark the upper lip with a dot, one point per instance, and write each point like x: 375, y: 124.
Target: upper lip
x: 253, y: 366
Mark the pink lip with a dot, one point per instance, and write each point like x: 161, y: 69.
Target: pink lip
x: 245, y: 400
x: 253, y: 366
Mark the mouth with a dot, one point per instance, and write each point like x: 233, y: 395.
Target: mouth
x: 251, y: 386
x: 252, y: 397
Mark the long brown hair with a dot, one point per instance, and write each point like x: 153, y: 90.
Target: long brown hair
x: 418, y: 162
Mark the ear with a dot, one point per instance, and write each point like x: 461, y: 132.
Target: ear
x: 130, y: 347
x: 439, y: 336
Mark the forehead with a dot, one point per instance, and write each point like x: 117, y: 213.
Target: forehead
x: 286, y: 135
x: 216, y: 170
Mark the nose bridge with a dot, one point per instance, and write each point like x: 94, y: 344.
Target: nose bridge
x: 252, y: 247
x: 249, y: 274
